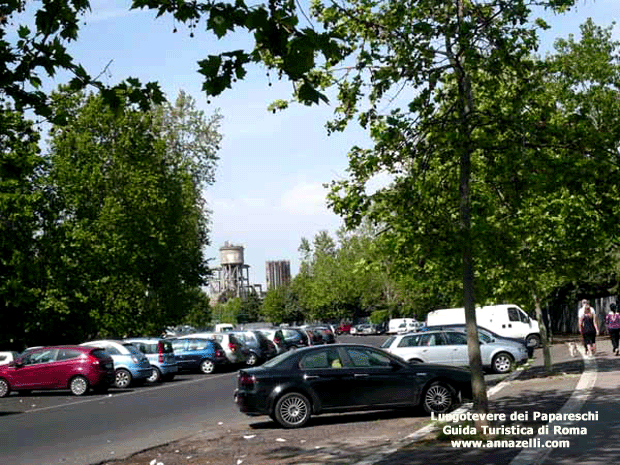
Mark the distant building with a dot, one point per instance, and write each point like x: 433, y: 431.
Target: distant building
x: 277, y: 273
x: 231, y: 278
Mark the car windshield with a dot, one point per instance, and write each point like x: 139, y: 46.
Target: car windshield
x: 388, y: 342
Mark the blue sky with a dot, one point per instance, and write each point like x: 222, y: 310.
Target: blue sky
x: 268, y: 192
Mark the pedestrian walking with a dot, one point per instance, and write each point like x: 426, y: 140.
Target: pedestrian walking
x: 588, y: 327
x: 612, y: 321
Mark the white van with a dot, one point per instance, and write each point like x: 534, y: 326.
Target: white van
x: 506, y: 320
x: 403, y: 325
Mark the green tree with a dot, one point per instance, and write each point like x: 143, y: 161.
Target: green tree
x: 274, y: 305
x: 127, y: 241
x: 22, y: 207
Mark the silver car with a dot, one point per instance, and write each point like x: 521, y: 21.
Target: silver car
x: 450, y: 348
x: 159, y: 351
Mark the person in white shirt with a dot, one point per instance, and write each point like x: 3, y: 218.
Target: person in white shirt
x: 583, y: 303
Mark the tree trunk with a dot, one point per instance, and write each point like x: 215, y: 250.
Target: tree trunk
x: 479, y: 388
x: 543, y: 335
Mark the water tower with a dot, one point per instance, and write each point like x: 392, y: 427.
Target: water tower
x: 232, y: 278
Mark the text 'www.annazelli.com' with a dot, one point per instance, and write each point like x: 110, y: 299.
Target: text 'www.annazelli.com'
x: 531, y: 443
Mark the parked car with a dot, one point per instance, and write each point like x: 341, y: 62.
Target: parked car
x: 7, y: 357
x: 260, y: 349
x: 344, y: 328
x: 295, y: 337
x: 76, y: 368
x: 233, y: 347
x: 450, y: 348
x: 345, y: 377
x: 487, y: 336
x: 164, y: 366
x: 326, y: 333
x: 199, y: 354
x: 276, y: 336
x: 363, y: 329
x: 131, y: 367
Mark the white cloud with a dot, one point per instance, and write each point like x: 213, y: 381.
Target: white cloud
x: 305, y: 199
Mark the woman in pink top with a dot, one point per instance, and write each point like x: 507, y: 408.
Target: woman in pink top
x: 612, y: 321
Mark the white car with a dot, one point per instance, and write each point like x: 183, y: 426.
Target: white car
x: 450, y: 348
x: 7, y: 357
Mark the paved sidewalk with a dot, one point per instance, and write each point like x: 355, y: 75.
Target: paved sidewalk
x: 535, y: 393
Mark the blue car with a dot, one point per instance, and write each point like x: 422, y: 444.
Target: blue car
x: 200, y: 354
x: 131, y: 367
x: 160, y: 353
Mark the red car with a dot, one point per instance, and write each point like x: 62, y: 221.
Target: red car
x: 343, y: 328
x: 77, y: 368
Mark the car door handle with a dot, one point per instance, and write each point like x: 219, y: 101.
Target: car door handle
x: 311, y: 377
x: 360, y: 375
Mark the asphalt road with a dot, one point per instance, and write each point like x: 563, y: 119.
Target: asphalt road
x: 47, y: 428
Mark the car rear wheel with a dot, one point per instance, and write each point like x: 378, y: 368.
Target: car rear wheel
x: 252, y: 359
x: 5, y: 389
x: 502, y: 362
x: 439, y: 397
x: 78, y: 386
x: 292, y: 410
x: 155, y: 376
x: 207, y: 366
x: 122, y: 379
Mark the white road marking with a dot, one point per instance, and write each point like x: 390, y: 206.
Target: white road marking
x: 135, y: 391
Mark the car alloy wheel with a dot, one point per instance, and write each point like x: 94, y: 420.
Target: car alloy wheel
x: 155, y: 376
x: 207, y: 366
x: 252, y: 359
x: 438, y: 398
x: 122, y: 379
x: 292, y: 410
x: 502, y: 363
x: 4, y: 388
x: 78, y: 386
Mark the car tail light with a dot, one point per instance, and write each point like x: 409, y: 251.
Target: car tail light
x: 219, y: 353
x: 233, y: 347
x: 246, y: 381
x: 160, y: 351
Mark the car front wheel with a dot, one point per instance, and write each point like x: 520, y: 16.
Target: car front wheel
x: 292, y: 410
x: 4, y: 388
x: 78, y: 386
x: 207, y: 366
x: 252, y: 359
x: 502, y: 363
x: 122, y: 379
x: 533, y: 340
x: 438, y: 398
